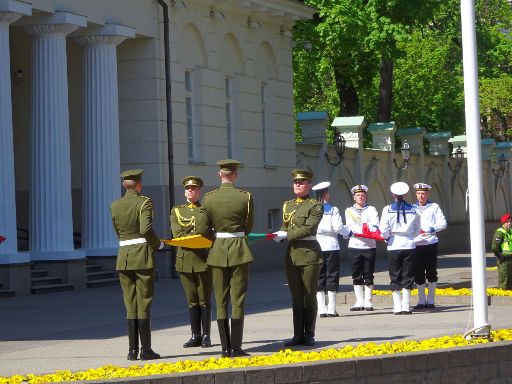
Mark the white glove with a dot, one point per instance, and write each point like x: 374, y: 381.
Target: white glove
x: 281, y: 235
x: 161, y: 245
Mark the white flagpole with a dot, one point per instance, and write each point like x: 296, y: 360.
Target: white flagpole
x: 474, y: 154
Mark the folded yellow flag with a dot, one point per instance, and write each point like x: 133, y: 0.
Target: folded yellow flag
x: 192, y: 241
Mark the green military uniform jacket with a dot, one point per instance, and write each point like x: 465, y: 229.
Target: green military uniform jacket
x: 229, y: 210
x: 132, y: 216
x: 187, y: 220
x: 301, y: 218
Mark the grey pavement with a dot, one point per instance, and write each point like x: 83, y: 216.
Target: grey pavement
x: 85, y: 329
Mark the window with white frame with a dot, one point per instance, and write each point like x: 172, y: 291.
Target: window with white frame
x: 264, y: 123
x: 229, y: 116
x: 189, y: 106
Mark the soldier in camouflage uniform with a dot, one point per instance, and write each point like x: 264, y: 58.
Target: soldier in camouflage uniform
x: 132, y: 216
x: 230, y: 211
x: 301, y: 218
x: 195, y: 275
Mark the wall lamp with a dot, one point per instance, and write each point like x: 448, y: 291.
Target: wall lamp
x: 459, y: 158
x: 178, y: 4
x: 503, y: 166
x: 216, y: 14
x: 285, y: 32
x: 339, y: 147
x: 305, y: 44
x: 406, y: 155
x: 253, y: 24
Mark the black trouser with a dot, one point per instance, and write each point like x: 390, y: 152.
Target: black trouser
x: 426, y: 263
x: 329, y: 276
x: 362, y: 262
x: 401, y: 268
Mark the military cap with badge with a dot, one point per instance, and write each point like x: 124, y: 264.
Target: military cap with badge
x: 192, y: 181
x: 228, y: 166
x: 302, y: 174
x: 359, y: 188
x: 132, y: 174
x: 422, y: 187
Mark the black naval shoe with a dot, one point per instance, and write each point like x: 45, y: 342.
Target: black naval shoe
x: 355, y: 309
x: 132, y: 354
x: 397, y: 313
x: 406, y: 313
x: 322, y: 315
x: 294, y: 341
x: 430, y: 305
x: 335, y: 314
x: 420, y: 306
x: 148, y: 354
x: 369, y: 309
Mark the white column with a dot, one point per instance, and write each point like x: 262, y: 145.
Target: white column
x: 9, y: 12
x: 101, y: 137
x: 51, y: 223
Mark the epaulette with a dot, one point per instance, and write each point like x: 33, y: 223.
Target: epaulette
x: 288, y: 201
x: 207, y: 193
x: 241, y: 190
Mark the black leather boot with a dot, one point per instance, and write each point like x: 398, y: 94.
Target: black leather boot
x: 195, y: 325
x: 309, y: 327
x: 133, y: 339
x: 225, y: 339
x: 298, y: 328
x: 237, y: 334
x: 146, y: 353
x: 206, y: 319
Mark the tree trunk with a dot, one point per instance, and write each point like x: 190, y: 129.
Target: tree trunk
x: 349, y: 100
x: 386, y: 90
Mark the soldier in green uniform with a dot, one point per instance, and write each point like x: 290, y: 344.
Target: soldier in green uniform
x: 301, y: 218
x: 132, y: 216
x: 502, y: 249
x: 230, y: 211
x: 195, y: 275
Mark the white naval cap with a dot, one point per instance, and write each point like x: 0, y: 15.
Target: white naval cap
x: 359, y: 188
x: 421, y: 187
x: 399, y: 188
x: 321, y: 186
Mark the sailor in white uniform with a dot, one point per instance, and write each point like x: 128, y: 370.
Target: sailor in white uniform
x: 327, y: 236
x: 400, y: 224
x: 432, y: 221
x: 362, y: 251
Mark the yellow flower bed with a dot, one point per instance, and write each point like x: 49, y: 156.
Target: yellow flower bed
x: 453, y: 292
x: 283, y: 357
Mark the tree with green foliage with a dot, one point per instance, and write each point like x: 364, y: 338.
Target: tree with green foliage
x: 366, y: 53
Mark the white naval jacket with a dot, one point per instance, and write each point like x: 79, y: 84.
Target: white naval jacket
x: 330, y: 226
x: 355, y: 220
x: 400, y: 232
x: 432, y: 221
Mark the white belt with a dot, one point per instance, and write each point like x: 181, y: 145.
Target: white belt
x: 227, y: 235
x: 309, y: 238
x: 140, y: 240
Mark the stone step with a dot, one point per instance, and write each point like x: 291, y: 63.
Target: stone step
x: 7, y: 293
x: 100, y: 275
x: 52, y: 288
x: 93, y: 268
x: 38, y: 273
x: 103, y: 282
x: 48, y: 280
